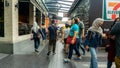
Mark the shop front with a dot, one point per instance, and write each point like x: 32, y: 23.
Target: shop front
x: 16, y: 19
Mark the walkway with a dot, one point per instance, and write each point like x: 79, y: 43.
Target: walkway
x: 41, y: 60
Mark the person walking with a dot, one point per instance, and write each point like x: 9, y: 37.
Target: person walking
x: 52, y: 33
x: 81, y: 34
x: 73, y: 33
x: 44, y: 32
x: 115, y: 31
x: 93, y: 39
x: 65, y: 34
x: 111, y: 46
x: 36, y: 35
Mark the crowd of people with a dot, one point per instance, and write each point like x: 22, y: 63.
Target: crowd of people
x: 87, y: 42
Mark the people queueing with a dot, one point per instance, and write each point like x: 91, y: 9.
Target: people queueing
x: 52, y: 33
x: 74, y: 29
x: 65, y: 34
x: 94, y: 39
x: 115, y: 31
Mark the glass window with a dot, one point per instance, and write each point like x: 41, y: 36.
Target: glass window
x: 24, y: 27
x: 1, y: 18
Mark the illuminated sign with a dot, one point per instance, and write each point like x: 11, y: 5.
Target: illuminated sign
x: 111, y: 9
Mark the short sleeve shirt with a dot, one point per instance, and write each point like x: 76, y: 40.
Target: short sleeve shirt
x: 74, y: 28
x: 52, y: 32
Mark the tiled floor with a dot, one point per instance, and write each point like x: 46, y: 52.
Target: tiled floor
x: 41, y: 60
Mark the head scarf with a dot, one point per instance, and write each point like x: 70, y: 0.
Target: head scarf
x: 35, y: 27
x: 95, y: 26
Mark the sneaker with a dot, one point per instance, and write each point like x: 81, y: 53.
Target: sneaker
x: 36, y: 50
x: 78, y: 58
x: 48, y: 53
x: 84, y: 53
x: 54, y: 53
x: 66, y: 60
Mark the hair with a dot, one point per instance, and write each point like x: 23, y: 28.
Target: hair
x: 43, y: 23
x: 52, y: 22
x: 66, y: 25
x: 76, y: 21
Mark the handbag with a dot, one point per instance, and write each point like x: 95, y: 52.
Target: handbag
x: 69, y: 39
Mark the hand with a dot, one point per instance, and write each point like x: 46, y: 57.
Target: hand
x: 107, y: 45
x: 31, y: 38
x: 72, y: 41
x: 112, y: 37
x: 83, y: 37
x: 99, y: 48
x: 104, y: 36
x: 87, y: 47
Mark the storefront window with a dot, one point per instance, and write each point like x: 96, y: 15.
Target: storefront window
x: 38, y: 16
x: 1, y: 18
x: 24, y: 27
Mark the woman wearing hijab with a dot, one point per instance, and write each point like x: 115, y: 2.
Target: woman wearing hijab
x: 36, y: 35
x: 93, y: 39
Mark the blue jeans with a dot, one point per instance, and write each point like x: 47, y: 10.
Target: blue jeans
x: 36, y: 43
x: 81, y: 46
x: 109, y: 64
x: 71, y: 47
x: 94, y: 62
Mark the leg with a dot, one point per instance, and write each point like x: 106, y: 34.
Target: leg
x: 94, y: 62
x: 76, y: 48
x: 38, y: 42
x: 35, y: 44
x: 109, y: 64
x: 83, y: 49
x: 67, y: 48
x: 54, y: 45
x: 70, y: 51
x: 49, y: 47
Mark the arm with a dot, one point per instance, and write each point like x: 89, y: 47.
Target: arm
x: 75, y: 34
x: 40, y: 31
x: 83, y: 30
x: 62, y: 35
x: 83, y: 33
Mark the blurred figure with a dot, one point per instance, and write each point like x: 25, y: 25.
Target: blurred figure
x: 52, y: 33
x: 73, y: 33
x: 93, y: 39
x: 36, y: 35
x: 115, y: 31
x: 111, y: 46
x: 81, y: 34
x: 65, y: 34
x: 44, y: 32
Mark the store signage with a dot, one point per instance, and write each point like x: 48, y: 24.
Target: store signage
x: 111, y: 9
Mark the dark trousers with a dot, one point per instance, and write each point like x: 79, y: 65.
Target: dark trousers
x: 36, y: 43
x: 52, y: 43
x: 73, y: 47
